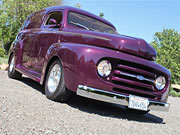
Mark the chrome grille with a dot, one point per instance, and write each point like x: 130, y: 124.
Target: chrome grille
x: 133, y: 78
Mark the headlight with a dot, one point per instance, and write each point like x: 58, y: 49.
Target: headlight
x: 160, y: 82
x: 104, y: 68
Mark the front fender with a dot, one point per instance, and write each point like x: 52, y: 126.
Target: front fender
x: 73, y: 58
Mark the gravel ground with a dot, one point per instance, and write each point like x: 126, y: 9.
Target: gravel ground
x: 25, y: 110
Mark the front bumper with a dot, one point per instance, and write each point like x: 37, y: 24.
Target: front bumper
x: 116, y: 98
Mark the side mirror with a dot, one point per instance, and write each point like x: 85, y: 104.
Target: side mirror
x: 52, y: 22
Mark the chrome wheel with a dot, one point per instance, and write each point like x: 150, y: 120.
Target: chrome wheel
x: 55, y: 85
x: 11, y: 66
x: 54, y: 78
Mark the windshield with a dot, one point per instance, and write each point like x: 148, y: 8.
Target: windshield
x: 88, y: 23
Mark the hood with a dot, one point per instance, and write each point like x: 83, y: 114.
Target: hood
x: 131, y: 45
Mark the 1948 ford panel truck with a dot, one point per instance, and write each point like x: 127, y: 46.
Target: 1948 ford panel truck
x: 68, y: 49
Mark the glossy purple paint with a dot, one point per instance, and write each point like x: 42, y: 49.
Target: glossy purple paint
x: 80, y: 50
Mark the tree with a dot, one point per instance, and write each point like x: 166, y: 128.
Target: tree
x: 13, y: 13
x: 167, y: 44
x: 77, y: 5
x: 101, y: 15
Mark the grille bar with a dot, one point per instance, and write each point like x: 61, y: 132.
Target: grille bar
x: 134, y: 76
x: 131, y: 89
x: 132, y: 82
x: 129, y: 92
x: 136, y: 70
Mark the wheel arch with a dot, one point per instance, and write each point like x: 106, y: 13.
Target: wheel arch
x: 10, y: 55
x: 51, y: 60
x: 73, y: 58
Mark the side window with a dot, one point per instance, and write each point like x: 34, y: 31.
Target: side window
x: 34, y: 20
x: 54, y: 15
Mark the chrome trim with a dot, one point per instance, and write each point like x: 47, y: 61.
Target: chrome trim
x: 54, y: 78
x: 115, y: 98
x: 139, y: 77
x: 11, y: 65
x: 76, y: 33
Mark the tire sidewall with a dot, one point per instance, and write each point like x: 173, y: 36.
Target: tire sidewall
x: 60, y: 88
x: 10, y: 73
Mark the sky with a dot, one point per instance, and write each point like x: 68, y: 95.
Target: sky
x: 137, y: 18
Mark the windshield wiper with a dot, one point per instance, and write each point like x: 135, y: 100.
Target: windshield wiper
x: 80, y: 25
x: 94, y: 30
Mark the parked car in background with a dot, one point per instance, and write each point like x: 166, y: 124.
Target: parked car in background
x: 69, y: 49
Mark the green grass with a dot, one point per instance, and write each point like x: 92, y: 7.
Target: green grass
x: 174, y: 93
x: 3, y: 60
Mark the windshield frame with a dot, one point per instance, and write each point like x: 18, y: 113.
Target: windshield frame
x: 85, y: 27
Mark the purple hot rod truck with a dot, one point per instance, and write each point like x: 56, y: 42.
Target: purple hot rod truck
x: 68, y: 49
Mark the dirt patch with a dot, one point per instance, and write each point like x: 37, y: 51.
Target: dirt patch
x: 3, y: 66
x: 176, y: 86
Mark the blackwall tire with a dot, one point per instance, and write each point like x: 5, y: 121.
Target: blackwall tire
x: 54, y: 85
x: 12, y: 73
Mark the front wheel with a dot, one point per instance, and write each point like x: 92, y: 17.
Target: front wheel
x: 54, y: 85
x: 12, y: 73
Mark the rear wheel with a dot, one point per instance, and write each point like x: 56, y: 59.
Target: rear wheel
x: 12, y: 73
x: 54, y: 85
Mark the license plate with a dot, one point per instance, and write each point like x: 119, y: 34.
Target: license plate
x: 138, y: 103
